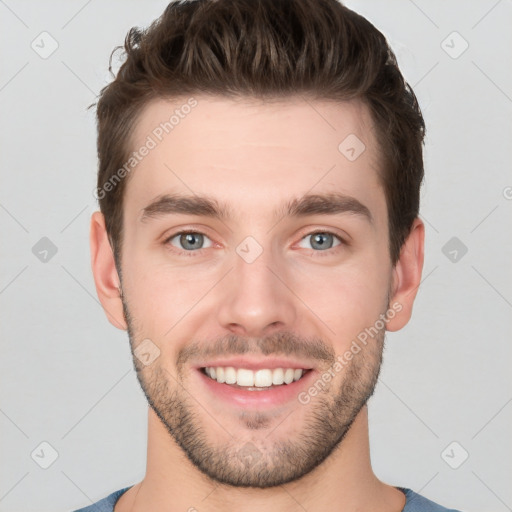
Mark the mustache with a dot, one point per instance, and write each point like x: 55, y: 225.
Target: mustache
x: 280, y: 343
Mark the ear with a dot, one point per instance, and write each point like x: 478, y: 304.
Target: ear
x: 407, y: 276
x: 105, y: 273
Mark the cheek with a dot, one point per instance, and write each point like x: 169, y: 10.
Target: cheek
x: 162, y: 298
x: 157, y: 292
x: 347, y: 298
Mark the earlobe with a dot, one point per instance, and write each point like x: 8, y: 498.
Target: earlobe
x: 105, y: 273
x: 407, y: 277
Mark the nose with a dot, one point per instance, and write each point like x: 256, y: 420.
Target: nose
x: 256, y: 299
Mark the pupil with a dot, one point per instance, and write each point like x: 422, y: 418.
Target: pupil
x: 187, y: 240
x: 320, y: 239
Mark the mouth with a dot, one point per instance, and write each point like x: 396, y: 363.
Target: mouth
x: 262, y: 386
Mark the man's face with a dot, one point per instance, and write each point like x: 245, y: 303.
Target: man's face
x: 260, y: 288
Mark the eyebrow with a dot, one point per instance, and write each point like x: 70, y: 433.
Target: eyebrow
x: 204, y: 206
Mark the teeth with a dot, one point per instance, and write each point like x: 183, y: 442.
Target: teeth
x: 278, y: 376
x: 244, y: 377
x: 263, y: 378
x: 247, y: 378
x: 288, y: 376
x: 230, y: 375
x: 220, y: 375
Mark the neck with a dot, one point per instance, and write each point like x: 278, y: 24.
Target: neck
x: 344, y: 481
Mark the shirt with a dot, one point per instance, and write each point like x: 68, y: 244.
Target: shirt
x: 414, y: 503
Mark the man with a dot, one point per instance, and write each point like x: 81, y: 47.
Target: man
x: 259, y: 171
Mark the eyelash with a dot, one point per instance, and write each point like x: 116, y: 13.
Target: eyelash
x: 195, y: 253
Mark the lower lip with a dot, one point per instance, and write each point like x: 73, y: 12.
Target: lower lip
x: 278, y: 395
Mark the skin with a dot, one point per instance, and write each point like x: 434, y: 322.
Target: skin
x: 255, y: 157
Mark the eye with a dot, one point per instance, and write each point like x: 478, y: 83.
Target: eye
x: 322, y: 240
x: 190, y: 241
x: 193, y: 241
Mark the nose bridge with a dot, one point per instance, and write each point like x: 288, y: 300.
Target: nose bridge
x: 256, y: 298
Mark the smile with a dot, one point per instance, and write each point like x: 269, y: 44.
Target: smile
x: 265, y: 378
x: 256, y: 389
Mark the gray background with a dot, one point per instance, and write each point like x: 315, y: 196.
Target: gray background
x: 66, y: 373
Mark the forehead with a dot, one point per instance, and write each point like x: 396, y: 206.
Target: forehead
x: 241, y: 149
x: 250, y: 121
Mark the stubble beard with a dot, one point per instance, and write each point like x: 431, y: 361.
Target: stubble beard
x: 270, y: 459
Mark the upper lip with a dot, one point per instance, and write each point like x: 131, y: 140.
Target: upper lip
x: 257, y: 364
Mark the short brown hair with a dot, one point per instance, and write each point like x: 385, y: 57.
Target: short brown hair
x: 265, y: 49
